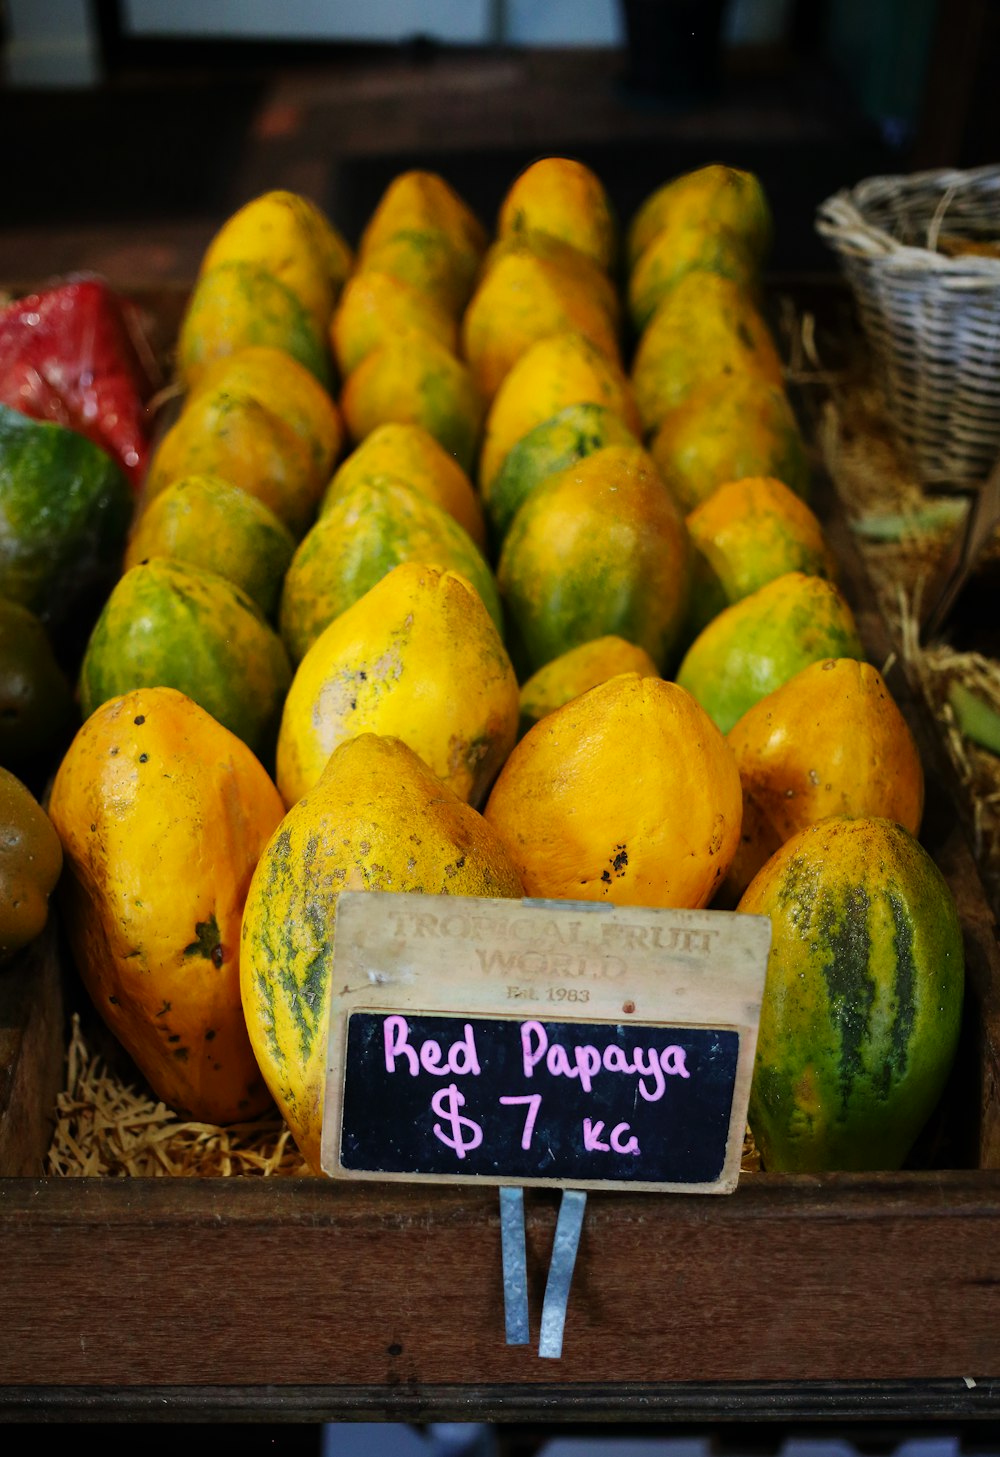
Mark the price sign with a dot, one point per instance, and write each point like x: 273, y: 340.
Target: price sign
x: 541, y: 1043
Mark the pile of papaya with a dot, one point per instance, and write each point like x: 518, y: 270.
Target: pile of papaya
x: 482, y: 561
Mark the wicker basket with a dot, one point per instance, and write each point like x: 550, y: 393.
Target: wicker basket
x: 931, y: 318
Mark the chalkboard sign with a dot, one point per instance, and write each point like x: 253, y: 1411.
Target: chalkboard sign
x: 552, y: 1043
x: 536, y: 1100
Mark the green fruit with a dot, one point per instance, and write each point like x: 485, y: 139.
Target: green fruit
x: 552, y: 446
x: 599, y: 549
x: 369, y: 528
x: 173, y: 625
x: 237, y: 303
x: 863, y: 999
x: 208, y: 522
x: 65, y: 509
x: 36, y: 700
x: 758, y: 643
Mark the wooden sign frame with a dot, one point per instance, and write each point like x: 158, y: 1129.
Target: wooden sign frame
x: 476, y: 961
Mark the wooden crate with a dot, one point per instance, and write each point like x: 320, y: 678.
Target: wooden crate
x: 841, y: 1296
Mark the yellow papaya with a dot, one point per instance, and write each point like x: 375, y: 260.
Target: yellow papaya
x: 162, y: 814
x: 728, y: 428
x: 563, y: 198
x: 375, y: 307
x: 831, y: 740
x: 523, y: 295
x: 418, y: 658
x: 706, y: 326
x: 415, y: 380
x: 713, y: 196
x: 406, y: 451
x: 290, y: 237
x: 560, y: 370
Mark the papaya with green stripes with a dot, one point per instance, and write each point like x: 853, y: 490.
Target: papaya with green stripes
x: 378, y: 819
x: 863, y: 999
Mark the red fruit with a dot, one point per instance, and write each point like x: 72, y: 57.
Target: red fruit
x: 75, y: 354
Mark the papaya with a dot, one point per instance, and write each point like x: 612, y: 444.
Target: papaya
x: 417, y: 658
x: 284, y: 387
x: 375, y: 307
x: 291, y: 238
x: 747, y: 533
x: 229, y: 432
x: 402, y: 449
x: 551, y: 446
x: 208, y: 522
x: 424, y: 260
x: 706, y: 326
x: 173, y: 624
x: 31, y: 862
x: 599, y: 548
x: 628, y: 794
x: 415, y: 380
x: 65, y: 509
x: 425, y: 229
x: 829, y: 741
x: 578, y: 268
x: 369, y: 529
x: 563, y: 198
x: 377, y: 819
x: 863, y: 998
x: 728, y: 428
x: 235, y: 304
x: 560, y: 370
x: 578, y: 669
x: 714, y: 196
x: 524, y: 294
x: 162, y: 814
x: 677, y: 250
x: 757, y: 644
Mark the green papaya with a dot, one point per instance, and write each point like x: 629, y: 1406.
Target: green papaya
x: 171, y: 624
